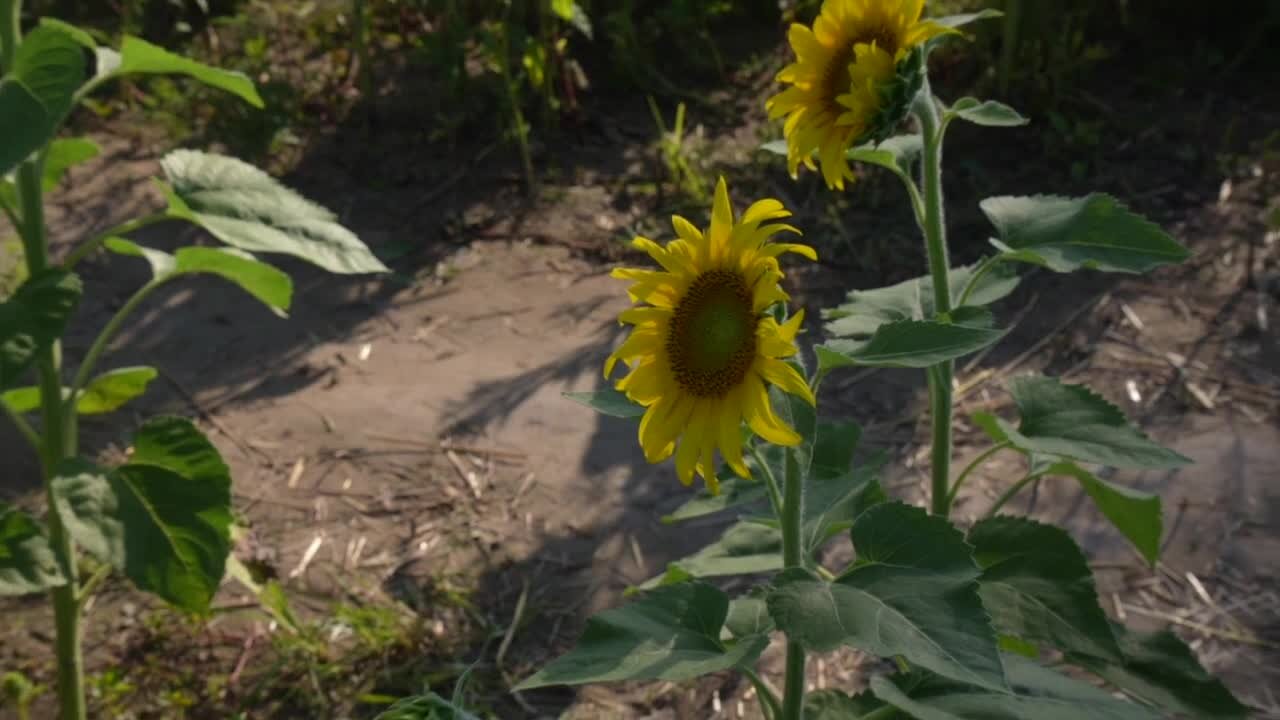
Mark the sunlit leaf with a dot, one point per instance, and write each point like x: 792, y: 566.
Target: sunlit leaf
x: 269, y: 285
x: 954, y: 21
x: 112, y: 389
x: 139, y: 57
x: 246, y: 208
x: 608, y: 402
x: 672, y: 633
x: 1067, y: 234
x: 1136, y: 514
x: 913, y: 592
x: 32, y: 318
x: 745, y: 548
x: 163, y: 518
x: 27, y: 561
x: 989, y: 113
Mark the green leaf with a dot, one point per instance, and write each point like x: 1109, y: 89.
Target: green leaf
x: 1067, y: 234
x: 63, y: 154
x: 864, y: 311
x: 1074, y: 422
x: 608, y: 402
x: 33, y: 318
x: 139, y: 57
x: 897, y: 153
x: 112, y: 389
x: 266, y: 283
x: 51, y: 65
x: 835, y: 705
x: 80, y: 36
x: 27, y: 562
x: 669, y: 634
x: 833, y: 504
x: 1137, y: 515
x: 988, y: 113
x: 734, y: 492
x: 955, y: 21
x: 748, y: 616
x: 1037, y: 585
x: 916, y: 343
x: 1160, y: 669
x: 913, y: 592
x: 23, y: 399
x: 163, y: 518
x: 572, y: 13
x: 745, y: 548
x: 244, y: 207
x: 1038, y: 694
x: 776, y: 147
x: 25, y: 125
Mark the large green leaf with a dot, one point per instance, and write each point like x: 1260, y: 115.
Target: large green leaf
x: 25, y: 125
x: 989, y: 113
x: 1074, y: 422
x: 831, y: 505
x: 918, y: 343
x: 866, y: 310
x: 109, y: 391
x: 1160, y: 669
x: 244, y: 207
x: 139, y: 57
x: 608, y: 402
x: 27, y: 562
x: 672, y: 633
x: 835, y: 705
x: 33, y: 318
x: 913, y: 593
x: 1037, y: 585
x: 1066, y: 234
x: 897, y: 153
x: 734, y: 492
x: 745, y: 548
x: 163, y: 518
x: 1136, y: 514
x: 266, y: 283
x: 51, y: 65
x: 1038, y: 694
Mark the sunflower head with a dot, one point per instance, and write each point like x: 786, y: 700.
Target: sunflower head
x: 856, y: 70
x: 702, y: 349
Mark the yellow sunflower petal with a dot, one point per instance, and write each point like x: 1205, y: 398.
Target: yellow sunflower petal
x: 721, y: 222
x: 730, y: 439
x: 691, y: 441
x: 787, y: 378
x: 707, y: 467
x: 759, y: 415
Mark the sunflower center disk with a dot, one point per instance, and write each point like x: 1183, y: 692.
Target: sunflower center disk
x: 712, y: 340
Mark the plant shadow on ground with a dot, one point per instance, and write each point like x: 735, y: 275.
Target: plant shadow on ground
x: 301, y: 406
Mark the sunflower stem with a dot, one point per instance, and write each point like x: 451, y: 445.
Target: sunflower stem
x: 792, y: 557
x: 925, y: 108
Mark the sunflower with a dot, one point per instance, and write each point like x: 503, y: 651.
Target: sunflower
x: 842, y: 66
x: 702, y: 350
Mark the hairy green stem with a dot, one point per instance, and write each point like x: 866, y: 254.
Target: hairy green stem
x: 926, y: 110
x: 66, y: 609
x: 10, y: 29
x: 792, y: 557
x: 964, y: 474
x: 1012, y: 492
x: 95, y: 352
x: 768, y: 699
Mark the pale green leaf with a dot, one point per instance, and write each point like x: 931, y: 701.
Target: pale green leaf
x: 32, y: 318
x: 1037, y: 586
x: 246, y: 208
x: 608, y: 402
x: 748, y: 616
x: 27, y: 561
x: 1158, y: 668
x: 672, y: 633
x: 1136, y: 514
x: 745, y: 548
x: 112, y: 389
x: 988, y: 113
x: 734, y: 492
x: 775, y: 147
x: 1074, y: 422
x: 139, y: 57
x: 897, y: 153
x: 269, y: 285
x: 163, y: 518
x: 913, y: 592
x: 1038, y: 694
x: 161, y: 262
x: 955, y: 21
x: 23, y: 399
x: 1067, y: 234
x: 917, y: 343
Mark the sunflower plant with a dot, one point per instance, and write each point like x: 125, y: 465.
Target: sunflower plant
x: 163, y: 517
x: 997, y: 618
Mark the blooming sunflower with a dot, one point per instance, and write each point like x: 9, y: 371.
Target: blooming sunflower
x: 702, y: 350
x: 842, y: 66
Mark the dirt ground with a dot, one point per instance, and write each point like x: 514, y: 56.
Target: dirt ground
x: 405, y: 436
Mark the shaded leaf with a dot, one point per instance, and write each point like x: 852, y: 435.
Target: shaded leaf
x: 246, y: 208
x: 835, y: 705
x: 112, y: 389
x: 27, y: 561
x: 916, y: 343
x: 672, y: 633
x: 988, y: 113
x: 1160, y: 669
x: 50, y: 64
x: 734, y: 492
x: 745, y: 548
x: 163, y: 518
x: 832, y: 505
x: 955, y: 21
x: 25, y: 125
x: 1136, y: 514
x: 139, y: 57
x: 1038, y: 694
x: 864, y: 311
x: 913, y: 592
x: 1066, y: 234
x: 1037, y: 585
x: 608, y: 402
x: 32, y: 318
